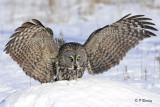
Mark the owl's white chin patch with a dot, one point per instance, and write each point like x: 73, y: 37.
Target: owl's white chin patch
x: 70, y: 68
x: 74, y: 69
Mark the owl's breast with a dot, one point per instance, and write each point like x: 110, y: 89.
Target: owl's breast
x: 67, y: 74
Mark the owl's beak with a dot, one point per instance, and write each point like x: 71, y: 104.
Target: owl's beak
x: 75, y: 66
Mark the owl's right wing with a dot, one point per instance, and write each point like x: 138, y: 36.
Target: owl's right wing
x: 34, y: 49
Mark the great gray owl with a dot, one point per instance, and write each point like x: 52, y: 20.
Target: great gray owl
x: 47, y: 59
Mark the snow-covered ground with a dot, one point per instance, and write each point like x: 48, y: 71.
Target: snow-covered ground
x: 77, y: 27
x: 82, y: 93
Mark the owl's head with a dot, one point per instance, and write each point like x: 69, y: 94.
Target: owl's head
x: 72, y: 55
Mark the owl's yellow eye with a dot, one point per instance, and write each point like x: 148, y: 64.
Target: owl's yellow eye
x: 70, y: 58
x: 78, y: 58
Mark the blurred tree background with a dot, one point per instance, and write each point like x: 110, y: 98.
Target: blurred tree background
x: 63, y: 11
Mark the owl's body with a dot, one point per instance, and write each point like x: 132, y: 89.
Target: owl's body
x: 47, y: 59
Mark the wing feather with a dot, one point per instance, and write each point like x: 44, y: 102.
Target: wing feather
x: 108, y: 45
x: 34, y: 49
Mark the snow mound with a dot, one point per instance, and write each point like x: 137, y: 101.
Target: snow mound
x: 82, y: 93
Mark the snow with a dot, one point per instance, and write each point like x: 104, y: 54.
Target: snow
x: 72, y: 20
x: 90, y: 92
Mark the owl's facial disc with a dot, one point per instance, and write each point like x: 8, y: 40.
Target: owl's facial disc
x: 73, y: 63
x: 73, y: 59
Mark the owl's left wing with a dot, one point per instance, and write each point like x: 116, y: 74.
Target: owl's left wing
x: 108, y: 45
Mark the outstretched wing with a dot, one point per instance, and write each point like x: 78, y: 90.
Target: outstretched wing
x: 34, y: 49
x: 108, y: 45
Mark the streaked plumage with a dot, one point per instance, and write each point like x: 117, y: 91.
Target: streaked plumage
x: 47, y: 59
